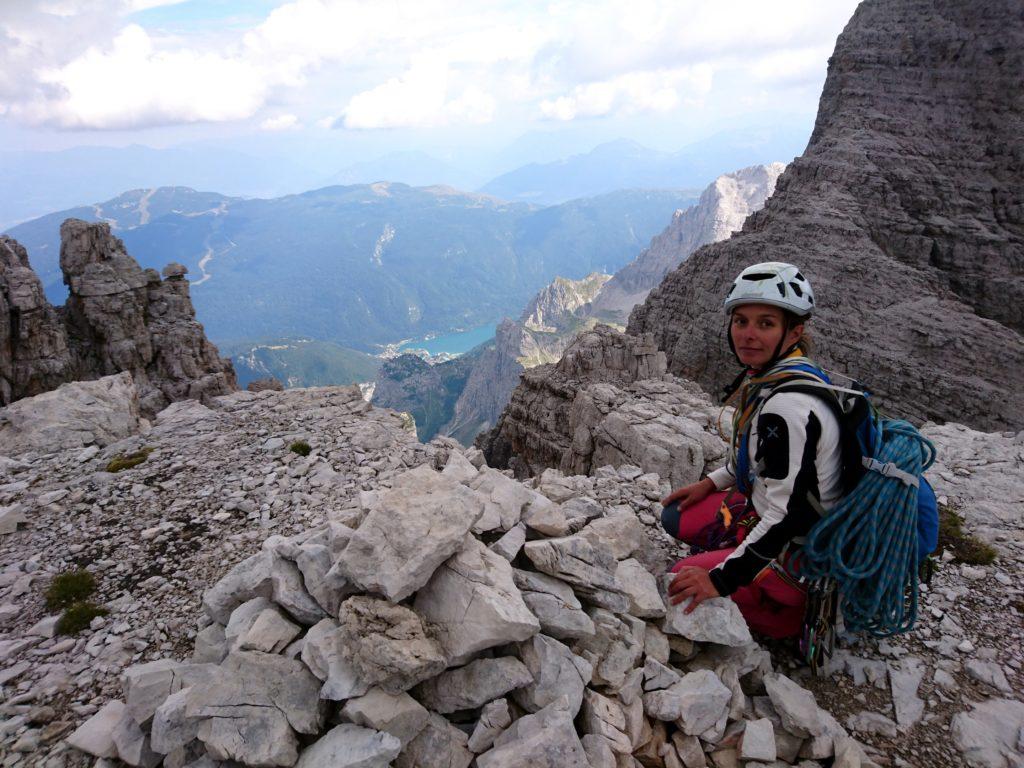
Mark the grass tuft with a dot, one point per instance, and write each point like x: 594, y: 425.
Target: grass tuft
x: 128, y: 460
x: 68, y: 588
x: 965, y: 547
x: 300, y: 447
x: 78, y: 617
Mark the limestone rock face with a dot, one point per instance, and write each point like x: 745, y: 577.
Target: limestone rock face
x: 721, y: 210
x: 905, y: 213
x: 34, y: 354
x: 557, y: 305
x: 608, y: 401
x: 118, y: 317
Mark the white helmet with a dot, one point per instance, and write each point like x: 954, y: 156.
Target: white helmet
x: 774, y: 283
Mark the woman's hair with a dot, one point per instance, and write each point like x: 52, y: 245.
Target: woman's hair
x: 806, y: 344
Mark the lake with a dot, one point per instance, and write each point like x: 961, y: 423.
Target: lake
x: 454, y: 343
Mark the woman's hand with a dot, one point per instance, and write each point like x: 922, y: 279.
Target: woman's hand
x: 690, y: 494
x: 691, y: 582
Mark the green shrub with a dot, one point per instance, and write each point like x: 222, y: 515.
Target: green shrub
x: 68, y: 588
x: 300, y: 447
x: 78, y: 617
x: 128, y: 460
x: 965, y: 547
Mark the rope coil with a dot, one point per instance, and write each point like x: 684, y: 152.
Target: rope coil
x: 868, y: 542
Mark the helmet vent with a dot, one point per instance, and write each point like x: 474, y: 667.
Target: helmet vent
x: 758, y: 276
x: 782, y: 288
x: 797, y: 290
x: 800, y: 277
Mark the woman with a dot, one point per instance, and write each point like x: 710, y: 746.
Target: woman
x: 785, y: 463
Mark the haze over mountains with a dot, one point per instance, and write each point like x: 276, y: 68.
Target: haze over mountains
x: 362, y: 265
x: 540, y: 168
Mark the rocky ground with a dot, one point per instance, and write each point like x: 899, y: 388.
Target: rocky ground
x: 220, y: 480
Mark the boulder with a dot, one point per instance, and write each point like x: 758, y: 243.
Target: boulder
x: 557, y: 673
x: 494, y: 718
x: 588, y: 567
x: 96, y: 735
x: 554, y: 604
x: 387, y: 645
x: 474, y: 603
x: 396, y: 713
x: 546, y: 739
x: 73, y: 415
x: 696, y: 702
x: 415, y: 527
x: 640, y: 586
x: 473, y: 685
x: 799, y: 712
x: 439, y: 745
x: 716, y: 620
x: 248, y: 579
x: 350, y: 746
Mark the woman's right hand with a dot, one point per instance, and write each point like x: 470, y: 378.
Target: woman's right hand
x: 690, y: 494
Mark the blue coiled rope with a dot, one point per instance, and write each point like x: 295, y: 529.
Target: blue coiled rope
x: 868, y: 542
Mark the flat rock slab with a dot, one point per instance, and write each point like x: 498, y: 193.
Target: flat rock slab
x: 416, y: 526
x: 396, y: 713
x: 351, y: 746
x: 473, y: 685
x: 640, y: 586
x: 261, y: 681
x: 588, y: 566
x: 696, y: 703
x: 387, y: 645
x: 95, y: 735
x: 717, y: 620
x: 474, y: 603
x: 557, y: 673
x: 554, y: 604
x: 799, y: 712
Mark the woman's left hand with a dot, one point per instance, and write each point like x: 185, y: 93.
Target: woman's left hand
x: 691, y: 582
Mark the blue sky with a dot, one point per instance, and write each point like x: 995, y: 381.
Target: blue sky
x: 382, y: 76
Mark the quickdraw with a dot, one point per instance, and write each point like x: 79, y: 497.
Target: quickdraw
x: 819, y: 636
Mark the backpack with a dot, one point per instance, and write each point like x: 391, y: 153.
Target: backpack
x: 865, y: 553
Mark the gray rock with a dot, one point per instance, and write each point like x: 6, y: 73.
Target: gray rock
x: 557, y: 672
x: 602, y: 716
x: 324, y: 654
x: 388, y: 645
x: 439, y: 745
x: 172, y: 727
x: 622, y: 533
x: 798, y: 710
x: 588, y: 567
x: 697, y: 702
x: 325, y: 584
x: 248, y: 680
x: 146, y: 686
x: 132, y: 745
x: 904, y: 681
x: 289, y: 592
x: 510, y: 543
x: 872, y: 722
x: 505, y: 500
x: 599, y: 751
x: 250, y: 578
x: 658, y: 676
x: 758, y: 741
x: 254, y: 735
x: 398, y: 714
x: 615, y: 648
x: 641, y: 588
x: 473, y: 685
x: 988, y: 735
x: 554, y: 604
x: 474, y: 603
x: 716, y: 620
x: 95, y: 735
x: 418, y: 524
x: 210, y: 645
x: 988, y: 672
x: 73, y: 415
x: 546, y: 739
x: 350, y: 746
x: 270, y: 633
x: 459, y: 468
x: 494, y: 718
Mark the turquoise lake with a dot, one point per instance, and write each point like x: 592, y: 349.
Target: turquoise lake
x: 454, y: 343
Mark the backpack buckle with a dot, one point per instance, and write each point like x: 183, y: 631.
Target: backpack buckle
x: 888, y: 469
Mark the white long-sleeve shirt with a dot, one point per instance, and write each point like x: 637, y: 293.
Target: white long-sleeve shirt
x: 794, y: 448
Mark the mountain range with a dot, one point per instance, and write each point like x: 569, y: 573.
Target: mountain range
x: 366, y: 265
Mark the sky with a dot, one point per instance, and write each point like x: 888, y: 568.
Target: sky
x: 390, y: 75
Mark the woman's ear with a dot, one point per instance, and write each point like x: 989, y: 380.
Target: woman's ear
x: 793, y: 335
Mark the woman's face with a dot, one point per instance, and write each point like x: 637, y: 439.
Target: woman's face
x: 756, y: 330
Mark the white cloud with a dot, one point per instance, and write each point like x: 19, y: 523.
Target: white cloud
x: 280, y: 123
x: 632, y: 93
x: 76, y: 64
x: 132, y: 84
x: 418, y: 99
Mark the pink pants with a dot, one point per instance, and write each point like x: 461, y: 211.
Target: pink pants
x: 770, y: 604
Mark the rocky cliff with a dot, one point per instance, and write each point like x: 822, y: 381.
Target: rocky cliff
x: 721, y: 210
x: 118, y: 317
x: 557, y: 305
x: 905, y: 212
